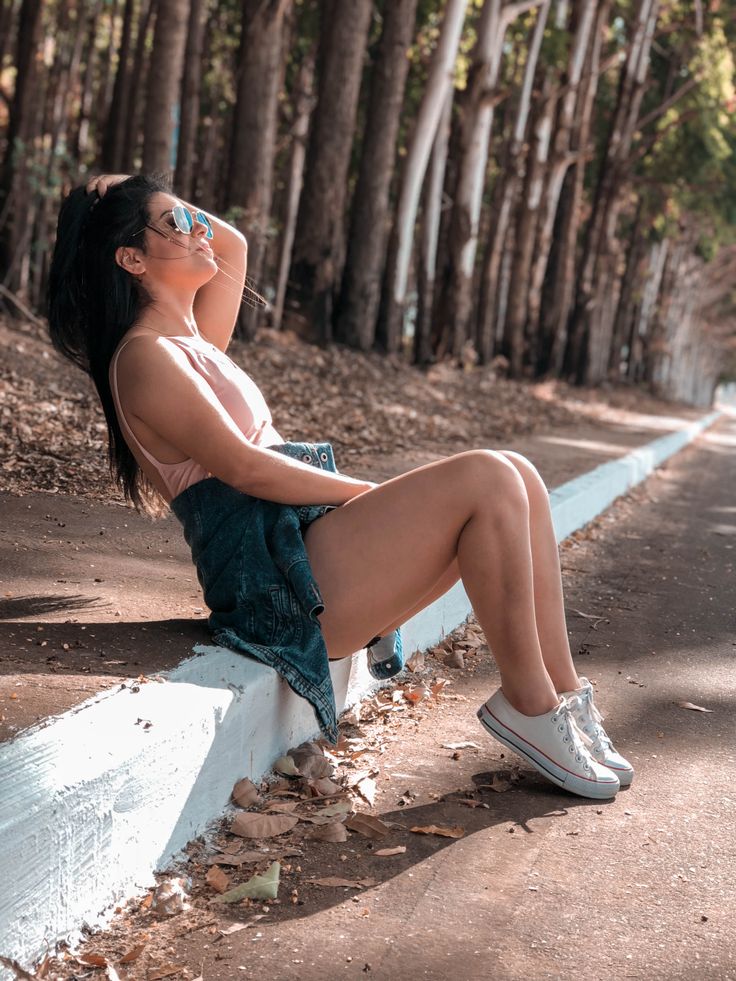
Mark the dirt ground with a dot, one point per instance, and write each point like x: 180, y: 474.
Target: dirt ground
x: 522, y: 880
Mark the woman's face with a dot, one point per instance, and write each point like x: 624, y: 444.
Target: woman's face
x: 172, y: 257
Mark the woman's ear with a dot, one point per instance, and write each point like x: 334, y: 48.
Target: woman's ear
x: 130, y: 260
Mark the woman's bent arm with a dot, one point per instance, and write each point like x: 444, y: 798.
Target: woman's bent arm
x: 160, y: 388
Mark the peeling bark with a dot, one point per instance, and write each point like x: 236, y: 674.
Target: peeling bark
x: 439, y: 83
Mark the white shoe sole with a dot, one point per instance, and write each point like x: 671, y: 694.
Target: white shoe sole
x: 596, y: 789
x: 625, y: 777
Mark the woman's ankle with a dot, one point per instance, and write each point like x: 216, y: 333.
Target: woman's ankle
x: 567, y: 684
x: 531, y: 702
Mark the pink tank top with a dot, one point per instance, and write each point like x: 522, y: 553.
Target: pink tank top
x: 237, y: 393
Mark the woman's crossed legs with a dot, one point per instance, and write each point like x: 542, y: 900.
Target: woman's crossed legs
x: 482, y: 515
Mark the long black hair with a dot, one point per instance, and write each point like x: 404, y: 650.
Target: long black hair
x: 92, y: 301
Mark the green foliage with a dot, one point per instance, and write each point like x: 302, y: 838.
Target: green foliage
x: 693, y: 156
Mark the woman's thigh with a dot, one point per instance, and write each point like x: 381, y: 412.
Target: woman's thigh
x: 379, y: 555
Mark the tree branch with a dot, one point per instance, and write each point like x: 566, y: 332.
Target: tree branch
x: 514, y: 10
x: 667, y: 104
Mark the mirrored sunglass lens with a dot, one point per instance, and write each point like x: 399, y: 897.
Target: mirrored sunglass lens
x: 183, y: 219
x: 204, y: 220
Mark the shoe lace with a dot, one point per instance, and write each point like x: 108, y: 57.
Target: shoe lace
x: 588, y: 720
x: 566, y: 724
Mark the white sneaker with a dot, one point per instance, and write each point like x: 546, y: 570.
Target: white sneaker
x: 553, y: 745
x: 588, y: 720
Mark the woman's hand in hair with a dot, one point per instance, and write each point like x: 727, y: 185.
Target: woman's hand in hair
x: 103, y: 182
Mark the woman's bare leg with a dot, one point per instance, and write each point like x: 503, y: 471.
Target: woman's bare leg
x: 548, y: 599
x: 383, y: 552
x: 549, y: 604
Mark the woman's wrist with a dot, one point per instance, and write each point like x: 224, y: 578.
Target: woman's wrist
x: 364, y: 487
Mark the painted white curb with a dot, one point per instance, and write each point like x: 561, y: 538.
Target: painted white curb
x: 94, y: 800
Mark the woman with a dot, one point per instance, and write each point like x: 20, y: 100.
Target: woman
x: 139, y: 299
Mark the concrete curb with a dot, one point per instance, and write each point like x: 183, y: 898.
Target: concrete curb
x: 98, y: 798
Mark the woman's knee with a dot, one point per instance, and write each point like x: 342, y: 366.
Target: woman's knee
x: 529, y: 473
x: 490, y: 470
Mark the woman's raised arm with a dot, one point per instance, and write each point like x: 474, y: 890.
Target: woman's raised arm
x: 217, y: 303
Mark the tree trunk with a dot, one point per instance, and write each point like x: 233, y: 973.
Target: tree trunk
x: 431, y: 217
x: 366, y: 252
x: 561, y: 263
x: 190, y: 92
x: 213, y: 125
x: 105, y: 78
x: 563, y: 154
x: 137, y: 86
x: 6, y: 25
x: 319, y: 240
x: 505, y: 198
x: 476, y: 107
x: 303, y: 106
x: 12, y: 174
x: 627, y: 300
x: 439, y: 84
x: 164, y: 85
x: 525, y: 232
x: 253, y: 141
x: 590, y: 327
x: 79, y: 132
x: 112, y: 144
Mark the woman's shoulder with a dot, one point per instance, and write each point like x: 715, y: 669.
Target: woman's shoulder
x: 139, y: 351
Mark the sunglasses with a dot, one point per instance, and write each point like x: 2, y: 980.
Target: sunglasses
x: 182, y: 220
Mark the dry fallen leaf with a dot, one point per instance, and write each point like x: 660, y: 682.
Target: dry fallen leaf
x: 498, y: 783
x: 248, y: 824
x: 264, y: 886
x: 455, y: 660
x: 233, y: 928
x: 239, y: 858
x: 245, y: 792
x: 367, y: 789
x: 325, y: 787
x: 367, y: 825
x: 469, y: 802
x: 170, y: 897
x: 693, y: 708
x: 283, y: 806
x: 166, y: 971
x: 416, y: 661
x: 433, y: 829
x: 133, y: 954
x: 94, y: 960
x: 334, y: 831
x: 286, y: 766
x: 311, y: 761
x: 332, y: 810
x: 217, y: 879
x: 386, y: 852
